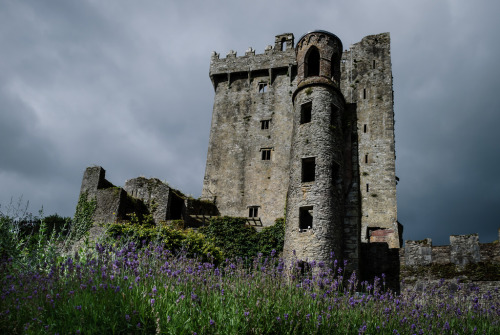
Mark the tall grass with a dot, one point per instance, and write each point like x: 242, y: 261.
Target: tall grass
x: 133, y: 289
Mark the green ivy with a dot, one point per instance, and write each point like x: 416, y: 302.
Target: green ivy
x: 83, y: 218
x: 237, y: 239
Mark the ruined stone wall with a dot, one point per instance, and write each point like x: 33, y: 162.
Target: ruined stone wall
x: 367, y: 81
x: 463, y: 250
x: 250, y: 90
x: 153, y: 192
x: 141, y: 196
x: 465, y: 260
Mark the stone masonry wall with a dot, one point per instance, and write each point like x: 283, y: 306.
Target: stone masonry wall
x: 367, y: 81
x: 465, y: 260
x: 249, y: 91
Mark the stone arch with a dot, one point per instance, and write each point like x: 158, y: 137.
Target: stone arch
x: 312, y: 62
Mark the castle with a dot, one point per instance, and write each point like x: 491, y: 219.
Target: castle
x: 307, y: 128
x: 304, y: 131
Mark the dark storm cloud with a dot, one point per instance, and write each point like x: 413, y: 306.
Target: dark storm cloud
x: 125, y: 86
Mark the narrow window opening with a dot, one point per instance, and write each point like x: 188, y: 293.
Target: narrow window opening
x: 262, y: 87
x: 364, y: 128
x: 374, y: 63
x: 306, y: 218
x: 335, y: 172
x: 364, y: 93
x: 334, y: 115
x: 253, y: 211
x: 305, y: 113
x: 264, y: 124
x: 366, y: 158
x: 283, y: 44
x: 308, y: 169
x: 311, y: 66
x: 266, y: 154
x: 367, y: 187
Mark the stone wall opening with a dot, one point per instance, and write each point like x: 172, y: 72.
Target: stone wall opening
x: 306, y: 112
x: 305, y: 218
x: 311, y: 64
x: 308, y: 169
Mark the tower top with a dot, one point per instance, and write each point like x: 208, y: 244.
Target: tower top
x: 322, y: 32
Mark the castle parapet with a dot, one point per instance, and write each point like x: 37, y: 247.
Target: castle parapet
x: 282, y: 55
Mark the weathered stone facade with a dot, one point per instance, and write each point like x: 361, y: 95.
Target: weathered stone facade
x: 333, y: 172
x: 464, y: 260
x: 141, y: 196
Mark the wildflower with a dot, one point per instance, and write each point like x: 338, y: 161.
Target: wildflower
x: 139, y: 325
x: 79, y: 307
x: 248, y: 313
x: 152, y: 301
x: 212, y: 322
x: 125, y: 278
x: 285, y: 316
x: 127, y: 317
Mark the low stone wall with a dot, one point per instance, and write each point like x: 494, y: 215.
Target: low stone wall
x: 464, y: 261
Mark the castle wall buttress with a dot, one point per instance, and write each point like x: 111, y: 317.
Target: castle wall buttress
x: 367, y: 81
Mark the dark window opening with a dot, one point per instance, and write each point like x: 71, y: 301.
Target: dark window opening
x: 364, y: 93
x: 334, y: 115
x: 308, y: 169
x: 364, y: 128
x: 176, y: 206
x: 311, y: 63
x: 262, y: 87
x: 306, y: 218
x: 335, y: 172
x: 374, y: 63
x: 283, y: 44
x: 264, y: 124
x: 266, y: 154
x: 305, y: 113
x: 253, y: 211
x: 366, y: 158
x: 367, y: 187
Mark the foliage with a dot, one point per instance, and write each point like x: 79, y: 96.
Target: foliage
x: 83, y: 218
x: 237, y: 239
x: 131, y: 290
x: 174, y: 240
x: 272, y: 237
x: 27, y: 241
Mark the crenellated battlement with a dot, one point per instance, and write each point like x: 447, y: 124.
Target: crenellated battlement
x: 281, y: 55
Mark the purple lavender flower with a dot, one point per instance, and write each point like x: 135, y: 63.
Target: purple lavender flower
x: 127, y: 317
x: 212, y: 323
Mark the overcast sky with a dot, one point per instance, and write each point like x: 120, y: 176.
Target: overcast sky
x: 124, y: 85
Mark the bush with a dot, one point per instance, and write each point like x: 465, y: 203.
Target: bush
x: 175, y: 240
x: 236, y: 239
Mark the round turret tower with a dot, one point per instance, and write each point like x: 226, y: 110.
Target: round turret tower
x: 315, y: 198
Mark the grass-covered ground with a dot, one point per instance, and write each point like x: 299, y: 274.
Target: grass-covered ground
x: 132, y: 289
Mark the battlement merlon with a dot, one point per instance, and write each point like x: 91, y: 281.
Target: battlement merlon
x: 282, y: 55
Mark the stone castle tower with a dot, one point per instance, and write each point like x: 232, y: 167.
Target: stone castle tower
x: 307, y: 131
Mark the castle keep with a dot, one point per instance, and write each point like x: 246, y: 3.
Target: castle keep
x: 304, y: 131
x: 308, y: 129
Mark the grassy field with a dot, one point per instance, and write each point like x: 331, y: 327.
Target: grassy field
x: 136, y: 289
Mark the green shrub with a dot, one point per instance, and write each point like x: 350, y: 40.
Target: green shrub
x: 175, y: 240
x: 237, y: 239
